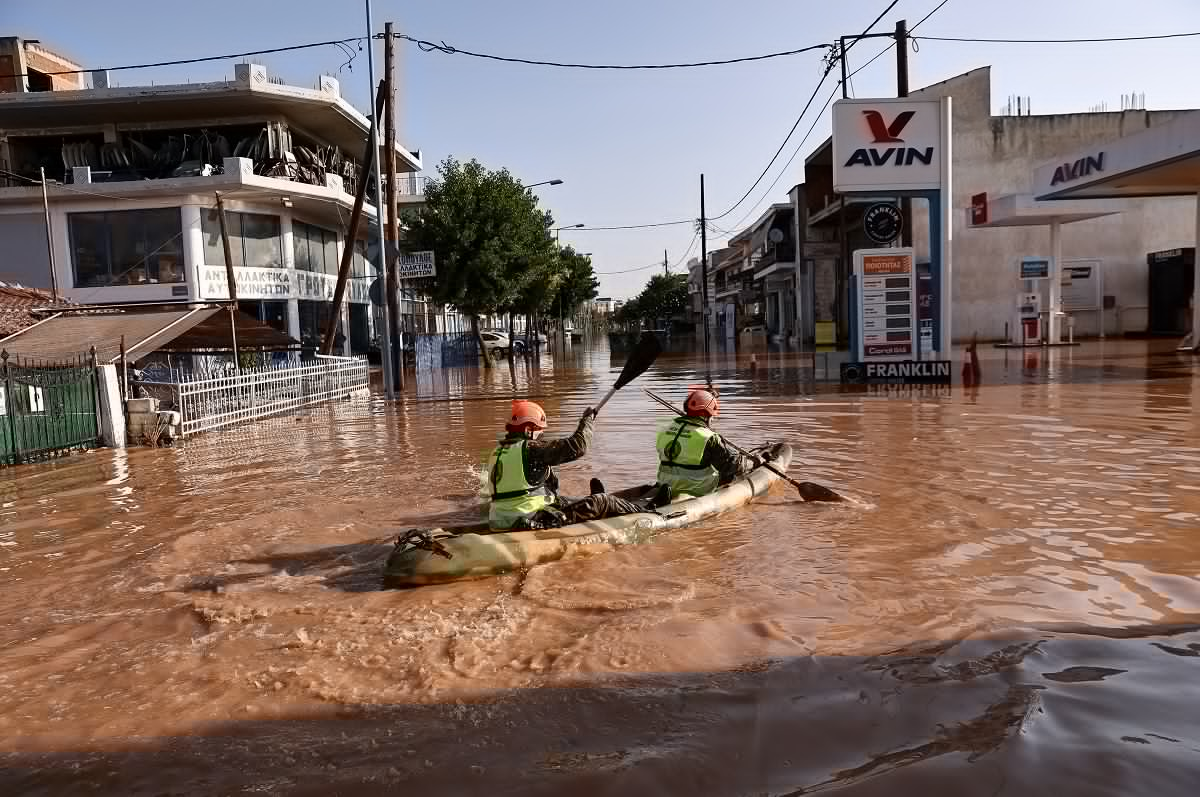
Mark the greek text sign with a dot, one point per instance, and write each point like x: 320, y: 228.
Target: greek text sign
x: 887, y: 303
x: 415, y: 265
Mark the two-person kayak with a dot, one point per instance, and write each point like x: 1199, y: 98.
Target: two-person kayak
x: 432, y: 556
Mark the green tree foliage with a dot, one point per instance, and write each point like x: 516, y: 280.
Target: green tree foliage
x: 576, y: 282
x: 488, y: 237
x: 664, y: 297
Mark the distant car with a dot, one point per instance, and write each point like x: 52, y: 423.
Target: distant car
x: 495, y: 342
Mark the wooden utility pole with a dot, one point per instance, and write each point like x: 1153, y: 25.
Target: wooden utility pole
x: 666, y: 268
x: 356, y: 214
x: 393, y: 206
x: 902, y: 91
x: 237, y: 363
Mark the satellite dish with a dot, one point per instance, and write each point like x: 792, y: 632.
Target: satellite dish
x: 775, y: 235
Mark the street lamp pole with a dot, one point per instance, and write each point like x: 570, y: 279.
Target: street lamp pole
x: 561, y: 331
x: 545, y: 182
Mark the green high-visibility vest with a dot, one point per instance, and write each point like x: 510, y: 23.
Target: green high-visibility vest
x: 514, y: 498
x: 680, y: 454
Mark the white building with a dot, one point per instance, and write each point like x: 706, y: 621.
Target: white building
x: 131, y: 180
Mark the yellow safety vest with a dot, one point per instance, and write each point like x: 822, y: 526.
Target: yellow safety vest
x: 680, y: 454
x: 513, y: 498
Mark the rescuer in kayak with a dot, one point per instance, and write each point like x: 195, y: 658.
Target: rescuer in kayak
x: 692, y: 458
x: 525, y: 487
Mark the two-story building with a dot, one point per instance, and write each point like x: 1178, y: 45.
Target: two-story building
x: 108, y: 195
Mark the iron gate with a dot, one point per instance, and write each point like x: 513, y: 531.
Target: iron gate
x: 47, y: 408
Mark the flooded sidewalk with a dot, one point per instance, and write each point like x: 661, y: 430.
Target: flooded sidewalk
x: 1010, y: 604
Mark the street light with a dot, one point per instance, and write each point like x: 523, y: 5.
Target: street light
x: 545, y: 182
x: 568, y: 227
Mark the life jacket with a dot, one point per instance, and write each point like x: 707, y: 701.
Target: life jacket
x: 680, y: 454
x: 514, y: 498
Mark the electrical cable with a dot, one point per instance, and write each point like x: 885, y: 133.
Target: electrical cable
x: 796, y: 124
x: 1152, y: 37
x: 185, y: 61
x: 428, y: 46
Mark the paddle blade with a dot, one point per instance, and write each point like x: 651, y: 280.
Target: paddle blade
x: 644, y: 353
x: 811, y: 491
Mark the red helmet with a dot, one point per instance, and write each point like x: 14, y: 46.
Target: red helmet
x: 526, y: 415
x: 702, y: 403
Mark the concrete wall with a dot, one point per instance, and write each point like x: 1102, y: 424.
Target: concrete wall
x: 18, y: 57
x: 24, y: 258
x: 998, y: 155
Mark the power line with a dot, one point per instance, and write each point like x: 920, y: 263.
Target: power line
x: 655, y: 264
x: 428, y: 47
x: 205, y: 59
x: 639, y: 226
x: 821, y: 113
x: 1153, y: 37
x: 807, y: 105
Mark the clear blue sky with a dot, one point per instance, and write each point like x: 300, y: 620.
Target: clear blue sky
x: 630, y: 146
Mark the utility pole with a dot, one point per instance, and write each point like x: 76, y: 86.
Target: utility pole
x: 845, y: 77
x: 666, y: 268
x: 237, y: 363
x: 902, y: 91
x: 49, y: 239
x: 385, y: 340
x: 393, y: 207
x: 704, y: 276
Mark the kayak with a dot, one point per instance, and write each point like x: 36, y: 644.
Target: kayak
x: 454, y: 553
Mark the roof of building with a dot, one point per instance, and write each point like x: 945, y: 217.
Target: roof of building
x: 16, y: 305
x: 142, y: 330
x: 321, y: 112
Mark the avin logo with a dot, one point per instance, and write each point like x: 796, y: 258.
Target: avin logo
x: 883, y: 132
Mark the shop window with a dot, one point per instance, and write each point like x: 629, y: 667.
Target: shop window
x: 315, y: 248
x: 126, y: 247
x: 255, y: 239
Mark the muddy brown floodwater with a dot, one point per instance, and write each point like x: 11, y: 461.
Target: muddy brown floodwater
x: 1009, y: 606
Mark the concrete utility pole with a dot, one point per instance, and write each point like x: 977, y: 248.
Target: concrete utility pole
x: 385, y: 339
x: 396, y: 330
x: 49, y: 240
x: 666, y: 268
x: 704, y: 276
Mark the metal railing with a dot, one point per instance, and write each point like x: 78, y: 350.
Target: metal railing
x: 207, y: 403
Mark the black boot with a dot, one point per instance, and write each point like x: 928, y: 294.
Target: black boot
x: 663, y: 496
x: 596, y: 486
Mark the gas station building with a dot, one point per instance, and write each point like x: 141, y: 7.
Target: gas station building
x: 1162, y: 161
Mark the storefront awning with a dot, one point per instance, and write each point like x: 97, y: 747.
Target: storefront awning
x: 144, y: 330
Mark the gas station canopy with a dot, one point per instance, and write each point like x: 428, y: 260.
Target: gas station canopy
x: 1022, y: 210
x: 1159, y: 161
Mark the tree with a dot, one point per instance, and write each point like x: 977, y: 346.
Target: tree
x: 664, y: 296
x: 488, y: 237
x: 576, y: 282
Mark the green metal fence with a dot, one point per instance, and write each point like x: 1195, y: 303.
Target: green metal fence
x: 47, y: 408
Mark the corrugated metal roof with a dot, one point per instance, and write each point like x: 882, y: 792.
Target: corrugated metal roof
x: 65, y: 335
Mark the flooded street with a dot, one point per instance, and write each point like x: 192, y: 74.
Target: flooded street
x: 1009, y: 604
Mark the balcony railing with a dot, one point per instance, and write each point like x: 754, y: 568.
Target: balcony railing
x: 783, y: 253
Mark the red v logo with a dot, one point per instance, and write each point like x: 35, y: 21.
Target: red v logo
x: 884, y: 133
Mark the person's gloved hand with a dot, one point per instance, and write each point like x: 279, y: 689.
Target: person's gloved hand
x: 588, y: 414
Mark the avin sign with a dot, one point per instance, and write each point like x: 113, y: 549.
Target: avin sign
x: 1084, y: 167
x: 887, y: 144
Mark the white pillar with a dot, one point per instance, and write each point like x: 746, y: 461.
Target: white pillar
x: 1196, y: 285
x: 1055, y: 282
x: 947, y: 214
x: 193, y: 250
x: 293, y: 319
x: 111, y: 415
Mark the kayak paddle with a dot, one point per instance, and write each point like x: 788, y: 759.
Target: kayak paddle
x: 644, y: 353
x: 809, y: 491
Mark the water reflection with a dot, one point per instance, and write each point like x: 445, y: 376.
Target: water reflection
x: 1011, y: 598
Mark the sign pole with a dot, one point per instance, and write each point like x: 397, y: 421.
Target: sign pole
x: 946, y: 211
